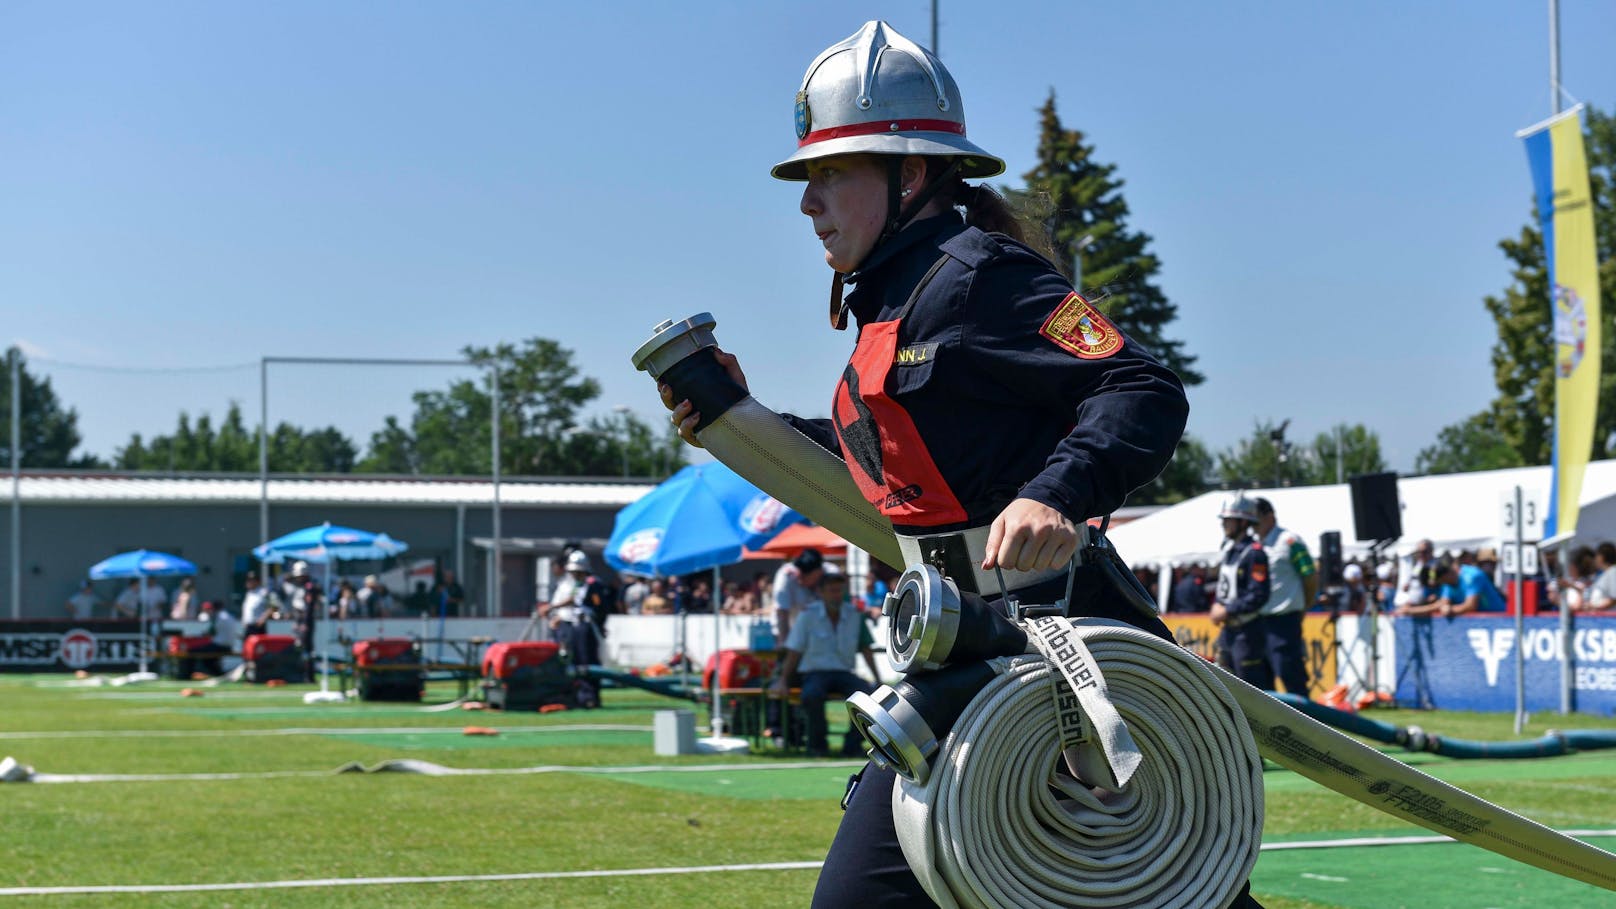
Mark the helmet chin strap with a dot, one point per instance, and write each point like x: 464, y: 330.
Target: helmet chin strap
x: 897, y: 218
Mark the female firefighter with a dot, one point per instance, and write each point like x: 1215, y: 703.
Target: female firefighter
x: 988, y: 408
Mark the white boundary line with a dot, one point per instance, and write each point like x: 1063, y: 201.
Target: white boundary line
x: 307, y: 730
x: 425, y: 768
x: 619, y: 872
x: 383, y: 881
x: 1396, y: 841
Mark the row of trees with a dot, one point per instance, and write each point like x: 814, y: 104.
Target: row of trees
x: 542, y: 396
x: 1078, y: 198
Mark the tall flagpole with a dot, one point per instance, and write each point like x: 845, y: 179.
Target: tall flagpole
x: 1567, y: 679
x: 1554, y: 56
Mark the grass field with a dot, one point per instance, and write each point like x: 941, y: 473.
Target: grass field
x: 598, y: 800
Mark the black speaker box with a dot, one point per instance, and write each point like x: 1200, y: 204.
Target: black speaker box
x: 1376, y: 512
x: 1330, y: 557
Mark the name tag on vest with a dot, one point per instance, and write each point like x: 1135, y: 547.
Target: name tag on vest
x: 914, y: 354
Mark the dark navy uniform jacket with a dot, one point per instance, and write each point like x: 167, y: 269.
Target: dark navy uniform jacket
x: 1243, y: 585
x: 1005, y: 410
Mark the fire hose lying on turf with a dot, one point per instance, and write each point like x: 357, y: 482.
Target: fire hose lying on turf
x: 1120, y: 794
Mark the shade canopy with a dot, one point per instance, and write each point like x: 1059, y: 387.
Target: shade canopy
x: 789, y: 543
x: 328, y: 541
x: 141, y: 563
x: 1454, y: 511
x: 699, y: 518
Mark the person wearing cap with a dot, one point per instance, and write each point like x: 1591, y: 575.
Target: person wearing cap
x: 375, y: 600
x: 1411, y: 589
x: 307, y: 602
x: 1353, y: 593
x: 577, y: 622
x: 1385, y: 587
x: 1461, y: 588
x: 795, y: 586
x: 988, y: 408
x: 826, y: 639
x: 256, y: 606
x: 1243, y: 590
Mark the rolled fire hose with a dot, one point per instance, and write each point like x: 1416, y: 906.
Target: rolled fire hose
x: 1001, y: 822
x: 759, y: 445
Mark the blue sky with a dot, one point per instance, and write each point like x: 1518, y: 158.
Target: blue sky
x: 192, y: 186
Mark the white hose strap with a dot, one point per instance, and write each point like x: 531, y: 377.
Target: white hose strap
x: 1001, y: 824
x: 1094, y: 741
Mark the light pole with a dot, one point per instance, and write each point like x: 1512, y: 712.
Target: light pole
x: 623, y: 411
x: 1077, y: 260
x: 1282, y: 450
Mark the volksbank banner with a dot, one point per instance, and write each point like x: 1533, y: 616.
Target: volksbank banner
x: 1565, y: 215
x: 1468, y: 663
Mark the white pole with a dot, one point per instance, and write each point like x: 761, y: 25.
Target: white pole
x: 1520, y: 621
x: 1565, y: 612
x: 497, y: 606
x: 140, y: 610
x: 460, y: 544
x: 718, y: 713
x: 263, y: 451
x: 16, y: 483
x: 1554, y: 56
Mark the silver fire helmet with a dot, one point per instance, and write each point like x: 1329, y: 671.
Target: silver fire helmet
x: 880, y: 93
x: 1238, y: 505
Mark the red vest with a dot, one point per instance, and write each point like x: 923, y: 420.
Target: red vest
x: 884, y: 451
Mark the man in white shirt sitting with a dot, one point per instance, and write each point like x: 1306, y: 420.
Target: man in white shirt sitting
x: 824, y: 642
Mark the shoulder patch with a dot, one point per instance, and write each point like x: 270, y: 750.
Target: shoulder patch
x: 1078, y: 328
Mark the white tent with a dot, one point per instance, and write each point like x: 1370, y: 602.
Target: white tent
x: 1453, y: 511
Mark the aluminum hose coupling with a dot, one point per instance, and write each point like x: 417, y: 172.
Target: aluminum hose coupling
x: 904, y: 724
x: 931, y: 624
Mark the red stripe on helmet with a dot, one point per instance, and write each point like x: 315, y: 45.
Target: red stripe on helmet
x: 882, y: 126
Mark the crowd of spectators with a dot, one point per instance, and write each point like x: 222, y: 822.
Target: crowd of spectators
x: 1424, y: 582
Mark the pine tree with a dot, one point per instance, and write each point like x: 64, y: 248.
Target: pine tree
x: 48, y: 433
x: 1087, y: 225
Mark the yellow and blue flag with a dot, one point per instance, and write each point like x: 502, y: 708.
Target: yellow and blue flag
x: 1566, y: 215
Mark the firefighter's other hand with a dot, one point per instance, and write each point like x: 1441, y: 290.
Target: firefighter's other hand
x: 1030, y: 536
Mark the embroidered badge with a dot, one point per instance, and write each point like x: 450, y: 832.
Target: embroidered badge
x: 914, y: 354
x: 1078, y: 328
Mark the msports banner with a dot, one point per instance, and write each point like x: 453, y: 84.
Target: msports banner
x: 1468, y: 663
x: 1566, y: 216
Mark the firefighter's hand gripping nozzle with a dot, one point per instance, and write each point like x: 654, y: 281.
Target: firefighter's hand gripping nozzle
x: 756, y: 442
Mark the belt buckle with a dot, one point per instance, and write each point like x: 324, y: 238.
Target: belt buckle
x: 950, y: 555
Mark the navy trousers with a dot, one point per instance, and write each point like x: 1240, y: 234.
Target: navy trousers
x: 1287, y: 651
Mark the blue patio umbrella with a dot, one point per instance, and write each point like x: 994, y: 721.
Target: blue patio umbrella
x: 323, y: 543
x: 699, y: 518
x: 327, y: 544
x: 142, y: 564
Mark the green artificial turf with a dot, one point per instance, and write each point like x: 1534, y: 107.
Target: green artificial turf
x: 691, y: 811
